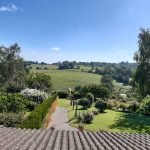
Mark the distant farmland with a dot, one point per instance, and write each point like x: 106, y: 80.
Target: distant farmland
x: 64, y: 79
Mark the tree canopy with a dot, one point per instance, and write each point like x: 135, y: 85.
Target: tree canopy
x: 142, y: 57
x: 40, y: 81
x: 12, y: 67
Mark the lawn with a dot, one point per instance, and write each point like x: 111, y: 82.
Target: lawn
x: 64, y: 79
x: 111, y: 120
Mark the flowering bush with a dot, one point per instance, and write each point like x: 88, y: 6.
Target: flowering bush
x: 35, y: 95
x: 111, y: 104
x: 122, y: 107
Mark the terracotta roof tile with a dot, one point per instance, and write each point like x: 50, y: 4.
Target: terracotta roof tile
x: 27, y: 139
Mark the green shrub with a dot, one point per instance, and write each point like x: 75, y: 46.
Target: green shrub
x: 145, y: 106
x: 95, y: 112
x: 77, y: 95
x: 87, y: 117
x: 13, y: 88
x: 38, y: 68
x: 11, y: 119
x: 79, y: 117
x: 133, y: 106
x: 112, y: 104
x: 90, y: 71
x: 12, y: 103
x: 90, y: 97
x: 109, y: 105
x: 100, y: 105
x: 122, y: 107
x: 35, y: 119
x: 63, y: 94
x: 118, y: 105
x: 30, y: 105
x: 84, y: 103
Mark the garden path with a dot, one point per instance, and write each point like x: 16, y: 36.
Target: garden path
x: 60, y: 119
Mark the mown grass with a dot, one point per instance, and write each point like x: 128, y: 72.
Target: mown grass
x: 111, y: 120
x: 64, y: 79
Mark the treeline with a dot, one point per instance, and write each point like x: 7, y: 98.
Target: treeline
x: 35, y: 62
x: 121, y: 72
x: 97, y: 64
x: 68, y: 65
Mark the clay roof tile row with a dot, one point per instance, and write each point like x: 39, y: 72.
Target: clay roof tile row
x: 42, y: 139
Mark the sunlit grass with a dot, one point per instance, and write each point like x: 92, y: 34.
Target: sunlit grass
x: 110, y: 120
x: 64, y: 79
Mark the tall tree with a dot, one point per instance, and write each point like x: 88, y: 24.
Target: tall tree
x: 106, y: 79
x: 107, y: 82
x: 142, y: 57
x: 12, y: 66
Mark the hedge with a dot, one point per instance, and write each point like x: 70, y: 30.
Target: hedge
x: 35, y: 119
x: 63, y: 94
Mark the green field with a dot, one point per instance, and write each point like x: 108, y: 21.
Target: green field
x: 64, y: 79
x: 111, y: 120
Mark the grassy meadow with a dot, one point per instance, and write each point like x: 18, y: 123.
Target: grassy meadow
x: 64, y: 79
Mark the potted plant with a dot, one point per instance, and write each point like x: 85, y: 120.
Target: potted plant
x: 81, y: 127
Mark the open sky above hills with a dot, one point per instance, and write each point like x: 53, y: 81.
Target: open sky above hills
x: 81, y: 30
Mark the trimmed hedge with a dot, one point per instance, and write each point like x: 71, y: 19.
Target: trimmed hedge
x: 63, y: 94
x: 35, y: 119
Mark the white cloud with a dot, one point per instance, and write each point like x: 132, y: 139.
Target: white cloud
x: 9, y: 8
x: 55, y: 49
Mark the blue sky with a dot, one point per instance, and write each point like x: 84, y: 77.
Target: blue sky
x: 81, y: 30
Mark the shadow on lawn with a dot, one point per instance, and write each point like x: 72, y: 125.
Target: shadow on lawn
x: 132, y: 121
x: 77, y: 109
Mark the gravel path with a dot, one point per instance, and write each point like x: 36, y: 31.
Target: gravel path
x: 60, y: 119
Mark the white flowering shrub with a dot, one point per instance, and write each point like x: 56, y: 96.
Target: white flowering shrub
x: 35, y: 95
